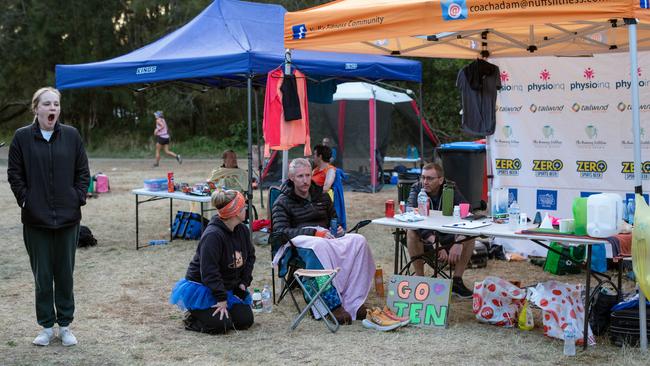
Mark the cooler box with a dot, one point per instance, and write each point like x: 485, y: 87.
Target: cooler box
x: 464, y: 163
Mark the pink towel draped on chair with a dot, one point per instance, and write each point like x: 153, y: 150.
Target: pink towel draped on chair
x: 352, y: 255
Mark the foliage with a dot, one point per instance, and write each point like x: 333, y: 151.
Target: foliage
x: 36, y: 35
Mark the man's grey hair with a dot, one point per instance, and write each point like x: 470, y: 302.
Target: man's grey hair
x: 298, y: 163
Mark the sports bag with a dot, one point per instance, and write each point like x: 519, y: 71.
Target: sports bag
x: 188, y: 225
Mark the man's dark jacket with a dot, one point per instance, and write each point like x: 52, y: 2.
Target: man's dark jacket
x: 49, y: 178
x: 214, y: 261
x: 291, y: 214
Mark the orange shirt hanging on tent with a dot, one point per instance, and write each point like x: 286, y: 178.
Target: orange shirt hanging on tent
x: 278, y: 133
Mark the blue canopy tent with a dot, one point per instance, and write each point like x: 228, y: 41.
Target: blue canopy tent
x: 230, y: 43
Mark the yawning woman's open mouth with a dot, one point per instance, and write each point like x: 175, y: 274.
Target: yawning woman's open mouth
x: 50, y: 117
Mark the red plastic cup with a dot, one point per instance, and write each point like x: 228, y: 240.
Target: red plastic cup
x: 390, y: 208
x: 464, y: 210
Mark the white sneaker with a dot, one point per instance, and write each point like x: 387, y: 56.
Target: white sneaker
x: 44, y: 337
x: 67, y: 338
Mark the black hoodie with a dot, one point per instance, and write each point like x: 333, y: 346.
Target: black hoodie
x: 214, y: 261
x: 292, y: 213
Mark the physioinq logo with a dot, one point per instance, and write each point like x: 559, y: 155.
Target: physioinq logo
x: 591, y: 169
x: 628, y: 170
x: 626, y: 84
x: 546, y: 108
x: 576, y: 107
x: 589, y: 74
x: 547, y: 168
x: 508, y: 167
x: 545, y: 76
x: 146, y: 70
x: 507, y: 87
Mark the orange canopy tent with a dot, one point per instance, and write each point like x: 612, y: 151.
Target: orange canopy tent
x: 464, y: 28
x: 482, y: 28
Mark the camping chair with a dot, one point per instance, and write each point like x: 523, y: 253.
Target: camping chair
x: 313, y: 292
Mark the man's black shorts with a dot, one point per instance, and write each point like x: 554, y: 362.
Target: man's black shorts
x: 445, y: 239
x: 162, y: 140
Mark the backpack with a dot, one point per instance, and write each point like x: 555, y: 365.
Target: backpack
x: 86, y: 238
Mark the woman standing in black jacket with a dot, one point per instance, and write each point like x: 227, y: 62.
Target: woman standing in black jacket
x: 48, y: 174
x: 214, y: 288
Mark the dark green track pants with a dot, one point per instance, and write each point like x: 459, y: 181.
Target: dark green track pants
x: 51, y: 256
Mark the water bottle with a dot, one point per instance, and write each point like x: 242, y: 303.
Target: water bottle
x: 423, y: 203
x: 267, y: 303
x: 513, y: 215
x: 625, y: 213
x: 409, y: 152
x: 448, y: 199
x: 414, y: 153
x: 158, y: 242
x: 257, y: 301
x: 630, y: 211
x: 569, y: 341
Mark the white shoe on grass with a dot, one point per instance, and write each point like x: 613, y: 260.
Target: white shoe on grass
x: 44, y: 337
x: 67, y: 338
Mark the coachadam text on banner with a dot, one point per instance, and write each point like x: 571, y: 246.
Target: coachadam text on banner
x: 564, y: 129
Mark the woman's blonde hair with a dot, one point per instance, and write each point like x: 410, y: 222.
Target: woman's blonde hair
x: 37, y: 95
x: 221, y: 198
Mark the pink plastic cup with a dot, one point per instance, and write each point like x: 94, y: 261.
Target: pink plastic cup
x: 464, y: 210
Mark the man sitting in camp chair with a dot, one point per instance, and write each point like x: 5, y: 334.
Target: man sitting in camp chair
x: 303, y: 212
x: 458, y: 254
x: 229, y: 175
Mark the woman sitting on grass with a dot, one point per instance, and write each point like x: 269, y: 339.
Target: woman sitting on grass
x: 214, y: 288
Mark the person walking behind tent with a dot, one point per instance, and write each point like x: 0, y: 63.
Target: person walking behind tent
x: 214, y: 288
x: 162, y: 139
x: 324, y: 173
x: 48, y: 174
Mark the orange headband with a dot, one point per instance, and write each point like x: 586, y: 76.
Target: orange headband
x: 233, y: 207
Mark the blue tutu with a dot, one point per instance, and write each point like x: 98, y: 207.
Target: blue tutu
x: 190, y: 295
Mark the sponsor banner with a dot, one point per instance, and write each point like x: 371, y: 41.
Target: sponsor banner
x: 564, y: 127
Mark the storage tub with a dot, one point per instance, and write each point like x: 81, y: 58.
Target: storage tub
x: 158, y: 184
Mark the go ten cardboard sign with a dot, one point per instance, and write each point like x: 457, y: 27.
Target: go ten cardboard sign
x: 423, y: 299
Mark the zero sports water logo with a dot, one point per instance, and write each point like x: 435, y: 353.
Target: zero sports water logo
x: 547, y: 168
x: 591, y: 169
x: 628, y: 170
x: 453, y: 9
x: 507, y: 167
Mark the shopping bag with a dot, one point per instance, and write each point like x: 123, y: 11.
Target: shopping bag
x: 562, y: 307
x: 568, y: 262
x: 497, y: 301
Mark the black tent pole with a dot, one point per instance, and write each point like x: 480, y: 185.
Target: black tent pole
x: 249, y: 193
x: 259, y: 149
x: 421, y: 127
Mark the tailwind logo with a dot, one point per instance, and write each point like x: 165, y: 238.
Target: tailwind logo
x: 507, y: 138
x: 547, y: 168
x: 622, y: 107
x: 546, y: 200
x: 299, y: 31
x: 507, y: 87
x: 545, y: 76
x: 534, y: 108
x: 628, y: 170
x: 576, y: 107
x: 507, y: 167
x: 593, y: 142
x: 509, y: 109
x: 453, y: 9
x: 591, y: 169
x: 590, y: 75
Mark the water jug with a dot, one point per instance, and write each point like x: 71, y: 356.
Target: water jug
x: 604, y: 214
x: 499, y: 202
x: 448, y: 199
x: 580, y: 215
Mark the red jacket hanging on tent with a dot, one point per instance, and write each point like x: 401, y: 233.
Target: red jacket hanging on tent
x: 278, y: 133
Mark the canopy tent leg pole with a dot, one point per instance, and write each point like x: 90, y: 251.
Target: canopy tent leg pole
x: 285, y: 153
x: 372, y: 110
x: 422, y: 155
x: 259, y: 149
x: 637, y: 158
x: 249, y: 193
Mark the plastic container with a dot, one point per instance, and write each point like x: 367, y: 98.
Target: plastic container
x: 448, y: 199
x: 464, y: 163
x: 604, y: 214
x: 580, y: 215
x: 267, y: 303
x: 257, y: 301
x: 379, y: 281
x: 157, y: 184
x: 513, y: 215
x: 423, y: 203
x: 631, y: 207
x: 569, y: 341
x: 499, y: 203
